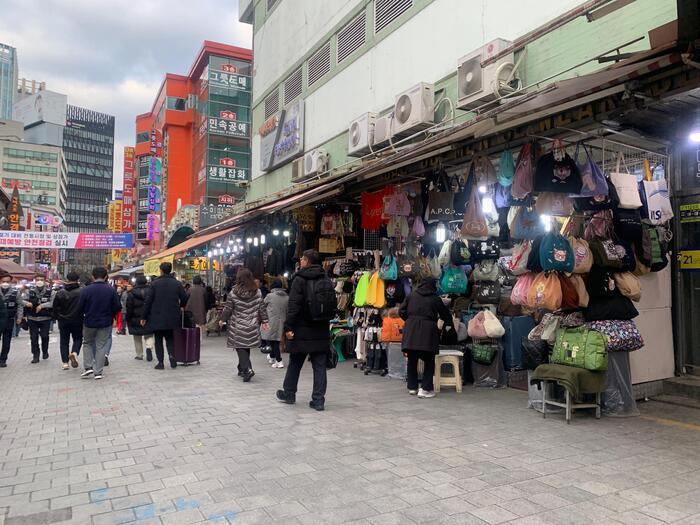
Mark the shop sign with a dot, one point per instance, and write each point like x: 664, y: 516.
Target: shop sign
x: 229, y: 68
x: 227, y: 114
x: 227, y: 161
x: 156, y: 142
x: 225, y: 79
x: 79, y: 241
x: 226, y: 199
x: 152, y: 227
x: 283, y: 138
x: 154, y: 200
x: 222, y: 174
x: 128, y: 190
x: 14, y: 211
x: 229, y: 128
x: 199, y: 264
x: 46, y: 219
x: 213, y: 213
x: 10, y: 254
x: 689, y: 212
x: 11, y: 184
x: 155, y: 170
x: 689, y: 259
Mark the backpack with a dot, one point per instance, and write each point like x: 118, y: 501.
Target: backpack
x: 556, y: 253
x: 321, y: 299
x: 581, y: 348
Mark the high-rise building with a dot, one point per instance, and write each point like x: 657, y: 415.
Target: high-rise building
x: 8, y: 80
x: 27, y: 88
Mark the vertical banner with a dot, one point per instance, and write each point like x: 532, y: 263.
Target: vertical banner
x: 128, y: 191
x: 14, y: 212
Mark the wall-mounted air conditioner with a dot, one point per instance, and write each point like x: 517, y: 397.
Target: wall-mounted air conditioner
x: 382, y: 132
x: 298, y: 170
x: 315, y: 162
x: 479, y: 85
x: 414, y: 110
x: 361, y: 134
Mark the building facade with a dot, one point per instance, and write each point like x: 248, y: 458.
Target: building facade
x: 193, y: 147
x: 8, y: 79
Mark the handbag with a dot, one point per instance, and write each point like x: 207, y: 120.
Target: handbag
x: 607, y: 201
x: 476, y: 328
x: 569, y: 294
x: 546, y: 329
x: 484, y: 172
x: 629, y: 285
x: 389, y: 269
x: 557, y: 172
x: 397, y: 226
x: 524, y: 172
x: 483, y: 353
x: 435, y: 269
x: 581, y: 292
x: 440, y: 202
x: 617, y: 307
x: 376, y: 294
x: 331, y: 357
x: 506, y: 169
x: 445, y: 253
x: 459, y: 252
x: 518, y: 261
x: 545, y: 292
x: 583, y: 258
x: 361, y: 290
x: 656, y: 204
x: 581, y: 348
x: 481, y: 250
x: 487, y: 292
x: 593, y: 181
x: 494, y: 328
x: 474, y: 223
x: 407, y: 267
x: 486, y: 270
x: 555, y: 204
x: 453, y: 281
x: 526, y: 224
x: 623, y: 336
x: 608, y: 254
x: 418, y: 228
x: 556, y: 253
x: 535, y: 353
x: 397, y: 204
x: 519, y: 294
x: 505, y: 276
x: 626, y: 186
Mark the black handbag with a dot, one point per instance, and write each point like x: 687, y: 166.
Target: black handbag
x: 331, y: 357
x: 557, y: 176
x: 533, y: 260
x: 535, y: 353
x: 487, y: 292
x: 481, y: 250
x: 598, y: 202
x: 618, y: 308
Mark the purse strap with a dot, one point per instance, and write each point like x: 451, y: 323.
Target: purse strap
x: 621, y: 159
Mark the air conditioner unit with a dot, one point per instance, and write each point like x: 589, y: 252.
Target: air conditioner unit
x: 361, y: 134
x: 298, y: 170
x: 315, y: 162
x: 414, y: 110
x: 478, y: 85
x: 382, y: 132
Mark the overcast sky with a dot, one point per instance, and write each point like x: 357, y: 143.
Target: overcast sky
x: 111, y: 56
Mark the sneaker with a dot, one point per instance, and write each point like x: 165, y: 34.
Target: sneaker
x: 65, y: 366
x: 98, y: 376
x: 106, y: 361
x: 35, y: 360
x: 317, y: 406
x: 139, y: 358
x: 87, y: 373
x: 248, y: 376
x: 270, y: 360
x: 279, y: 364
x: 282, y: 397
x: 426, y: 394
x: 45, y: 355
x: 73, y: 359
x: 412, y: 392
x: 149, y: 354
x: 159, y: 366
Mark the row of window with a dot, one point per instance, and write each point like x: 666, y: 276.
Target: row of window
x: 86, y: 206
x: 72, y: 156
x: 90, y: 183
x: 32, y: 170
x: 34, y: 184
x: 82, y: 134
x: 85, y: 146
x: 28, y: 198
x: 97, y: 220
x: 30, y: 154
x: 75, y: 168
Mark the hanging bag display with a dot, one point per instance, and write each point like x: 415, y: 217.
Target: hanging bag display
x: 397, y: 203
x: 453, y: 281
x: 475, y: 326
x: 418, y: 228
x: 483, y: 170
x: 623, y: 336
x: 493, y: 327
x: 506, y: 168
x: 435, y: 269
x: 583, y: 258
x: 608, y: 254
x: 554, y: 204
x: 389, y: 269
x: 626, y: 186
x: 557, y: 172
x: 486, y: 270
x: 546, y: 329
x: 629, y: 285
x: 593, y: 181
x: 329, y: 244
x: 459, y: 252
x: 487, y: 292
x: 519, y: 294
x: 545, y: 292
x: 556, y: 253
x: 581, y: 292
x: 524, y: 173
x: 518, y: 261
x: 484, y: 353
x: 440, y: 201
x: 474, y: 223
x: 361, y: 290
x: 481, y: 250
x: 657, y: 207
x: 376, y: 295
x: 581, y: 348
x: 445, y: 251
x: 569, y: 294
x: 526, y: 224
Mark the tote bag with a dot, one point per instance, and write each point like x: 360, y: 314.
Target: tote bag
x: 626, y: 186
x: 657, y: 207
x: 593, y: 179
x: 474, y: 224
x: 524, y: 173
x: 506, y: 169
x: 484, y: 172
x: 440, y: 201
x: 583, y: 258
x: 519, y: 294
x: 557, y: 172
x: 545, y: 292
x: 526, y: 224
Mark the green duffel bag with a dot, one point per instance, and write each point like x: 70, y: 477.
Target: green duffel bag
x: 484, y: 353
x: 581, y: 348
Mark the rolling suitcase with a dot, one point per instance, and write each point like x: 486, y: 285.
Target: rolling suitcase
x: 516, y: 328
x: 187, y: 345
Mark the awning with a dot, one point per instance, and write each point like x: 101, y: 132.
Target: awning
x: 126, y: 272
x: 190, y: 243
x: 15, y: 270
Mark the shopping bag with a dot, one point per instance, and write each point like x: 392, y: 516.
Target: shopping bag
x: 626, y: 186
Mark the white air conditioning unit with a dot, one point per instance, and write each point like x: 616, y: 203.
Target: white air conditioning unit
x: 315, y: 162
x: 298, y: 170
x: 414, y: 110
x: 361, y: 134
x: 478, y: 85
x: 382, y: 132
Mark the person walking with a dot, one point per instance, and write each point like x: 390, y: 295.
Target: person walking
x: 66, y: 309
x: 276, y: 306
x: 162, y: 312
x: 312, y: 303
x: 39, y: 310
x: 135, y: 305
x: 12, y: 298
x: 99, y: 303
x: 244, y: 312
x: 197, y: 303
x: 421, y: 337
x: 121, y: 323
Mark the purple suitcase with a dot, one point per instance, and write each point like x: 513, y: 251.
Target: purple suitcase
x: 187, y: 345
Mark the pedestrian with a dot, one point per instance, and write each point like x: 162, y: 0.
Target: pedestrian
x: 276, y: 306
x: 66, y: 309
x: 312, y: 304
x: 122, y: 314
x: 421, y: 336
x: 211, y: 298
x: 135, y: 304
x: 163, y: 312
x: 39, y: 309
x: 244, y: 312
x: 12, y: 298
x: 99, y: 303
x: 197, y: 303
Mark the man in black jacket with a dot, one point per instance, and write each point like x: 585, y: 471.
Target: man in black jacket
x: 163, y: 312
x: 12, y: 298
x: 66, y: 308
x: 305, y: 337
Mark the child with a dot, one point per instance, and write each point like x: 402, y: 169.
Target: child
x: 276, y: 303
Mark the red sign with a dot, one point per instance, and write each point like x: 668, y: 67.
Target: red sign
x: 227, y: 161
x: 229, y: 68
x: 156, y: 142
x: 127, y: 224
x: 19, y: 184
x: 228, y: 115
x: 226, y: 199
x: 14, y: 211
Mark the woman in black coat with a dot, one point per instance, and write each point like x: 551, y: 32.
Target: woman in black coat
x: 421, y: 337
x: 135, y: 304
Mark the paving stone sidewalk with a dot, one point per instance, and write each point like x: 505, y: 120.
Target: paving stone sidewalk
x: 196, y: 445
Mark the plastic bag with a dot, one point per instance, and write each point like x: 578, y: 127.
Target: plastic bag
x: 490, y: 376
x: 618, y: 398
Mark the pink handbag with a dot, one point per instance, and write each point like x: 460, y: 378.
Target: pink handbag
x: 475, y: 327
x: 522, y: 286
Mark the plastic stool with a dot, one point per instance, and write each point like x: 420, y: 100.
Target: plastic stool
x: 454, y: 380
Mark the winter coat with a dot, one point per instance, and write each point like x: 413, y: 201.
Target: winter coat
x: 244, y: 312
x: 66, y: 304
x: 99, y: 303
x: 40, y: 296
x: 14, y: 303
x: 276, y: 305
x: 122, y: 300
x: 135, y: 305
x: 309, y: 336
x: 421, y: 310
x: 197, y: 304
x: 162, y: 310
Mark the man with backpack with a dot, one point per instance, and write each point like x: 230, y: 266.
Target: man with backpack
x: 312, y: 304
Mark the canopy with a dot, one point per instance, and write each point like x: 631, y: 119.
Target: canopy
x: 126, y: 272
x: 15, y: 270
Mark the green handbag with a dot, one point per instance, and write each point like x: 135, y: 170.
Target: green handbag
x: 483, y: 354
x: 581, y: 348
x: 361, y: 290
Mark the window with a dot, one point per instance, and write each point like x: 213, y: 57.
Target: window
x: 178, y: 104
x: 352, y: 37
x: 292, y: 87
x: 34, y: 170
x: 144, y: 136
x: 386, y: 11
x: 272, y: 103
x: 32, y: 155
x: 319, y: 64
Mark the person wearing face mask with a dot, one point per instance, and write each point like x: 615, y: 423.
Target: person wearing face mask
x: 66, y: 307
x: 39, y: 306
x: 14, y: 306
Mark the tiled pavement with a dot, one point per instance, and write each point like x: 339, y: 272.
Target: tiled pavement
x: 196, y: 445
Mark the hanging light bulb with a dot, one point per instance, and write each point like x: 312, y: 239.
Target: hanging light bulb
x: 218, y: 245
x: 249, y: 240
x: 275, y: 232
x: 440, y: 233
x: 286, y: 275
x: 239, y: 240
x: 256, y: 241
x: 488, y: 207
x: 262, y: 239
x: 482, y: 189
x: 210, y: 254
x: 285, y: 233
x: 230, y: 241
x: 228, y: 250
x: 547, y: 221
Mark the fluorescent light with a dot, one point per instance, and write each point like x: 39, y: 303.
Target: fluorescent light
x: 694, y: 137
x: 440, y: 233
x: 482, y: 189
x: 547, y: 221
x: 262, y: 239
x: 285, y: 233
x: 275, y: 232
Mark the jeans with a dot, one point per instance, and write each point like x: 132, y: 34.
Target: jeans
x: 140, y: 341
x: 39, y: 329
x: 428, y: 359
x: 67, y: 330
x: 159, y: 335
x: 244, y: 360
x: 291, y: 379
x: 275, y: 350
x: 95, y: 343
x: 7, y: 334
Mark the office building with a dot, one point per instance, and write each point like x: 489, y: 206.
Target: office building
x: 8, y: 80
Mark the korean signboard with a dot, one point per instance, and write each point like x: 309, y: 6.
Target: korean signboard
x: 689, y: 212
x: 14, y: 211
x: 230, y: 128
x: 79, y: 241
x: 199, y: 264
x: 155, y: 170
x: 128, y: 191
x: 156, y: 143
x: 154, y: 200
x: 228, y: 79
x: 212, y: 213
x: 226, y: 174
x: 282, y: 136
x: 152, y: 226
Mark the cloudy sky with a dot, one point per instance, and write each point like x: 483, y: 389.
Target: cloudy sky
x: 111, y: 56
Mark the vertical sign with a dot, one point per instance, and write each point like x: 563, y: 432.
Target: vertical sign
x: 128, y: 191
x: 14, y: 213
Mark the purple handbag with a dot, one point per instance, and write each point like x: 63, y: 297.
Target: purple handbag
x: 593, y: 179
x: 623, y: 336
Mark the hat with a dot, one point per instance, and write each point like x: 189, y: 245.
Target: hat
x: 276, y: 284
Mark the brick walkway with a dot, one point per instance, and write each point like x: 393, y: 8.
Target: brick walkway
x: 196, y: 445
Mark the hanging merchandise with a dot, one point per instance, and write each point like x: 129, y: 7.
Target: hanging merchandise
x: 583, y: 258
x: 556, y: 253
x: 330, y: 244
x: 546, y: 329
x: 656, y: 207
x: 329, y: 224
x: 640, y: 268
x: 474, y: 224
x: 626, y: 186
x: 407, y: 266
x: 608, y: 201
x: 389, y: 270
x: 459, y: 252
x: 623, y: 336
x: 627, y: 225
x: 487, y: 292
x: 506, y: 169
x: 502, y: 198
x: 475, y: 326
x: 545, y: 292
x: 601, y: 283
x: 435, y: 269
x: 616, y: 307
x: 453, y: 281
x: 440, y: 201
x: 445, y: 253
x: 594, y: 183
x: 486, y: 270
x: 581, y: 348
x: 397, y: 226
x: 483, y: 170
x: 376, y: 296
x: 526, y: 224
x: 418, y: 228
x: 569, y: 294
x: 462, y: 190
x: 505, y: 276
x: 306, y: 218
x: 557, y: 172
x: 397, y: 203
x: 484, y: 353
x: 394, y: 293
x: 599, y: 226
x: 524, y: 172
x: 518, y: 261
x: 519, y: 294
x: 608, y: 253
x: 492, y: 226
x: 361, y: 290
x: 554, y: 204
x: 480, y: 250
x: 581, y: 291
x: 534, y: 264
x: 655, y: 242
x: 629, y: 285
x: 372, y: 206
x: 494, y: 328
x: 572, y: 319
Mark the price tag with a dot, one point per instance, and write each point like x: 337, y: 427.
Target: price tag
x: 689, y: 260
